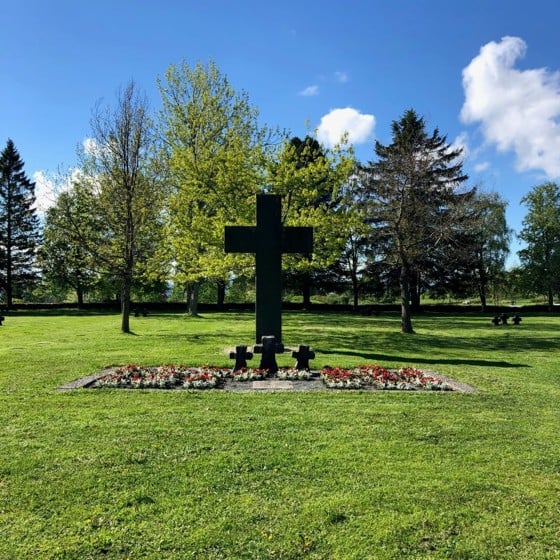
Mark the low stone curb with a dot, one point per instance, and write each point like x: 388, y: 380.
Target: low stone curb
x: 271, y: 385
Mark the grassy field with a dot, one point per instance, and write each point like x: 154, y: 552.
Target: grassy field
x: 91, y: 474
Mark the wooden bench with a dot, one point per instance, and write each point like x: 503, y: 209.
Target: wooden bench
x: 140, y: 311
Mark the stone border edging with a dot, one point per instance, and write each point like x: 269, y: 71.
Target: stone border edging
x: 272, y: 385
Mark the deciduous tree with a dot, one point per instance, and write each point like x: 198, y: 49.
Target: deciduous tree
x: 310, y: 178
x: 540, y: 258
x: 68, y: 232
x: 120, y: 188
x: 490, y: 237
x: 216, y: 152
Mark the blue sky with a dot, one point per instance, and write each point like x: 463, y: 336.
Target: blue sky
x: 486, y: 73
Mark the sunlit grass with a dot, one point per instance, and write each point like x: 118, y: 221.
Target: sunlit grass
x: 159, y: 474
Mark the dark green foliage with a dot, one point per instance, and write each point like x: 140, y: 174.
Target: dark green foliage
x: 472, y: 260
x: 310, y: 178
x: 415, y: 200
x: 19, y: 225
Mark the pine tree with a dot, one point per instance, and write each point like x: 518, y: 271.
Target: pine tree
x: 19, y: 225
x: 415, y: 199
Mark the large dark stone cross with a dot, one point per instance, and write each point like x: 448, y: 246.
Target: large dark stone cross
x: 268, y: 240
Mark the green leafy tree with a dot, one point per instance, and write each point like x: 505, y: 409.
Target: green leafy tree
x: 490, y: 242
x: 472, y: 260
x: 216, y: 152
x: 310, y: 178
x: 360, y: 244
x: 414, y: 199
x: 67, y: 234
x: 120, y: 188
x: 19, y: 225
x: 540, y: 258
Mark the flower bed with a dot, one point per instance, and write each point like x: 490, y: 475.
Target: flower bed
x: 292, y: 374
x: 377, y: 377
x: 163, y: 377
x: 249, y: 374
x: 177, y: 377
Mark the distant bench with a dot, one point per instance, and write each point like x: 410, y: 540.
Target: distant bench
x: 140, y: 310
x: 503, y: 319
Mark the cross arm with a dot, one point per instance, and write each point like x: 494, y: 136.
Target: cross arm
x: 240, y: 239
x: 297, y: 239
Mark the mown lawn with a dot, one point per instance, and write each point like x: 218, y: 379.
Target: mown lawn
x: 90, y: 474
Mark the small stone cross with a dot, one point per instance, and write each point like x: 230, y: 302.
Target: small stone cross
x: 241, y: 356
x: 303, y: 355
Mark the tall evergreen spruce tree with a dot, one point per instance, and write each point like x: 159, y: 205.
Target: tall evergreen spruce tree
x: 416, y: 199
x: 19, y: 225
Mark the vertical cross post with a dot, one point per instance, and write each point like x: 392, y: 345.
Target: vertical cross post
x: 268, y: 240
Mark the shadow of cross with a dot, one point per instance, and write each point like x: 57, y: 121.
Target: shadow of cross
x: 269, y: 239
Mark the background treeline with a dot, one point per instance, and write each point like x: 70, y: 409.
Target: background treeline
x: 141, y: 217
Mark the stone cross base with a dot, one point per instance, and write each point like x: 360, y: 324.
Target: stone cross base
x: 269, y: 348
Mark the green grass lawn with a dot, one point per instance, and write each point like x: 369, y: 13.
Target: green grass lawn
x: 90, y: 474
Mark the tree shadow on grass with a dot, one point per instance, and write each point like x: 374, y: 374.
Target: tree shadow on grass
x: 417, y: 360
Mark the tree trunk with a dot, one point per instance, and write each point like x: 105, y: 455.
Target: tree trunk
x: 306, y: 290
x: 9, y: 296
x: 406, y: 319
x: 550, y: 299
x: 355, y: 294
x: 221, y: 294
x: 193, y: 299
x: 482, y: 282
x: 482, y: 294
x: 9, y: 280
x: 80, y: 296
x: 125, y: 305
x: 414, y: 291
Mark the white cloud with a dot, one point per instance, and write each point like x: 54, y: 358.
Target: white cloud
x: 44, y: 192
x: 341, y: 77
x: 47, y: 189
x: 519, y: 110
x: 482, y: 166
x: 310, y: 91
x: 90, y: 146
x: 461, y: 143
x: 338, y: 122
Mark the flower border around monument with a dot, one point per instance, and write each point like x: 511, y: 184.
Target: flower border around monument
x: 208, y: 377
x: 377, y: 377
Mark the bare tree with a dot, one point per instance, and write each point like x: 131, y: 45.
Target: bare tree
x: 122, y: 190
